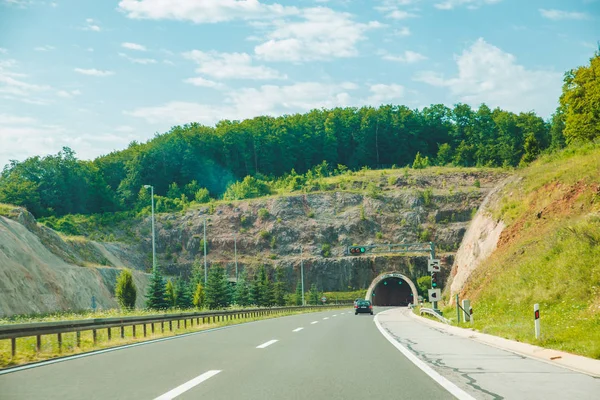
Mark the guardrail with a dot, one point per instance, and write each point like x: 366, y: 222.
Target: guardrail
x: 39, y: 329
x: 432, y: 312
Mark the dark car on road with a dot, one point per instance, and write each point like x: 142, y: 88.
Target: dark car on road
x: 363, y: 306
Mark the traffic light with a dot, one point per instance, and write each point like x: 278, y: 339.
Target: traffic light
x: 357, y: 250
x: 385, y: 282
x: 434, y: 280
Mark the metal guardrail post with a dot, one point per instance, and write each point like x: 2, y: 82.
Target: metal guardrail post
x: 59, y: 338
x: 13, y: 347
x: 38, y: 343
x: 78, y: 338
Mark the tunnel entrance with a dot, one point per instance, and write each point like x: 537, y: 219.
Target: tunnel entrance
x: 392, y: 289
x: 392, y: 292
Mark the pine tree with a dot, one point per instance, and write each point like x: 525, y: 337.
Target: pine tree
x: 155, y: 295
x: 125, y: 290
x: 255, y: 290
x: 183, y: 298
x: 218, y: 294
x: 279, y: 288
x: 199, y: 296
x: 242, y: 293
x: 170, y: 294
x: 299, y: 293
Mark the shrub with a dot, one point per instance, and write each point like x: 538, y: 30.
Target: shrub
x: 264, y: 234
x: 263, y: 213
x: 477, y: 184
x: 326, y: 250
x: 202, y: 196
x: 379, y: 235
x: 125, y: 290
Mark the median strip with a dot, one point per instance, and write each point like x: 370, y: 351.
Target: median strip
x: 188, y: 385
x: 266, y: 344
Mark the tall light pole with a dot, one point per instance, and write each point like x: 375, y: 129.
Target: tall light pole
x: 205, y: 269
x: 302, y: 274
x: 235, y: 252
x: 153, y: 237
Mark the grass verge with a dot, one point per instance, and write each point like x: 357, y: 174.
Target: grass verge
x: 26, y: 347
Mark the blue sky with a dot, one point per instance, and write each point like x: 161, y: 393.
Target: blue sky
x: 95, y: 75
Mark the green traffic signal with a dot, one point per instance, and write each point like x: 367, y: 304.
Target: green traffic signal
x: 362, y: 249
x: 385, y: 282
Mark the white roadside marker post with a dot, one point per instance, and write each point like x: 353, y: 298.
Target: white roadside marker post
x: 536, y: 314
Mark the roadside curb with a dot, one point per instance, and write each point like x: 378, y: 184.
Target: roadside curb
x: 563, y: 359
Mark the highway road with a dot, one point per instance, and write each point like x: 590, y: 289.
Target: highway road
x: 328, y: 355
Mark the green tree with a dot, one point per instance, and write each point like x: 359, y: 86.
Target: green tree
x: 170, y: 293
x: 217, y: 288
x: 299, y: 293
x: 125, y: 290
x: 420, y: 162
x: 242, y: 292
x: 198, y: 299
x: 202, y: 195
x: 279, y: 288
x: 579, y: 102
x: 423, y: 285
x: 183, y: 297
x: 156, y: 295
x: 174, y: 192
x: 313, y: 295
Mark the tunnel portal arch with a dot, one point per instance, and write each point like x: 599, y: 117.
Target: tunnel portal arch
x: 392, y: 275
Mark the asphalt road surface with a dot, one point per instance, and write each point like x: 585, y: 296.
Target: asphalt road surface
x: 328, y: 355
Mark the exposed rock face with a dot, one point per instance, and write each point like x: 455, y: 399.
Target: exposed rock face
x: 34, y: 279
x: 479, y: 242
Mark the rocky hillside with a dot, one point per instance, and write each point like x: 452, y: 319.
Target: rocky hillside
x: 45, y: 271
x: 41, y: 272
x: 404, y: 206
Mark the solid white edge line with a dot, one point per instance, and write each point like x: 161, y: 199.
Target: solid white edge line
x: 314, y: 322
x: 188, y: 385
x: 445, y: 383
x: 297, y: 329
x: 270, y: 342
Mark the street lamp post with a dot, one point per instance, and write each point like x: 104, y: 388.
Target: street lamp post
x: 205, y: 269
x: 302, y: 274
x: 153, y: 237
x: 235, y: 252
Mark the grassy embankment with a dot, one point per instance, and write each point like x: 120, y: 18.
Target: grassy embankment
x: 548, y: 254
x: 26, y: 347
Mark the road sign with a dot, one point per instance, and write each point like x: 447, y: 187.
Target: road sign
x: 433, y: 265
x: 323, y: 299
x: 434, y: 295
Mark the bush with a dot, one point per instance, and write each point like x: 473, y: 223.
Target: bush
x: 249, y: 188
x: 265, y: 235
x: 326, y: 250
x: 477, y: 184
x: 125, y: 290
x: 263, y: 213
x: 379, y: 235
x: 202, y: 196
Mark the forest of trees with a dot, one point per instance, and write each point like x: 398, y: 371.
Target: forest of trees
x: 196, y: 162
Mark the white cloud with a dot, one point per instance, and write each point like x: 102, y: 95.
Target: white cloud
x: 404, y: 31
x: 471, y: 4
x: 203, y: 11
x: 90, y: 49
x: 322, y: 34
x: 250, y: 102
x: 392, y: 9
x: 91, y: 25
x: 401, y: 14
x: 409, y: 57
x: 68, y: 94
x: 143, y: 61
x: 382, y: 93
x: 133, y: 46
x: 230, y: 66
x: 124, y: 129
x: 3, y: 50
x: 199, y: 81
x: 93, y: 72
x: 488, y: 75
x: 13, y: 84
x: 168, y: 62
x: 558, y: 15
x: 44, y: 48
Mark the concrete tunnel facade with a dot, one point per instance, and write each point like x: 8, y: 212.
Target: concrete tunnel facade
x: 392, y: 289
